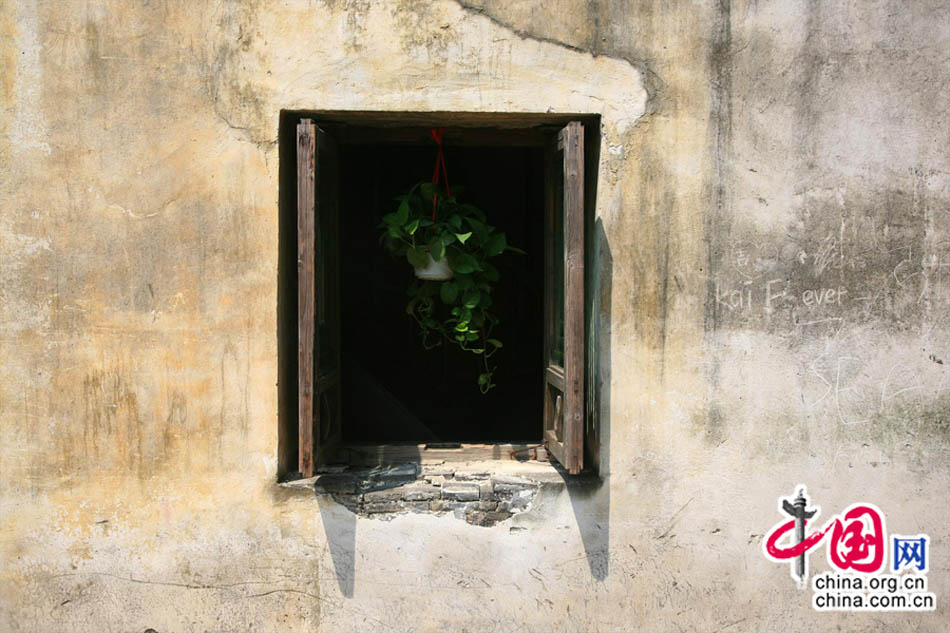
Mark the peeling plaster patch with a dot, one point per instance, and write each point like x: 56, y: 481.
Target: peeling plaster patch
x: 594, y: 45
x: 478, y: 496
x: 28, y: 129
x: 28, y: 245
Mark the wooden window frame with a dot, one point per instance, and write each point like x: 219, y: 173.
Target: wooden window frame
x: 563, y: 390
x: 318, y: 416
x: 319, y: 423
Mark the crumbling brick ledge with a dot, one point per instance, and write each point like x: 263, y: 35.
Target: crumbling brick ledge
x: 482, y: 493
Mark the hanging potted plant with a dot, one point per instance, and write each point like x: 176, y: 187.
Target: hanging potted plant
x: 449, y: 245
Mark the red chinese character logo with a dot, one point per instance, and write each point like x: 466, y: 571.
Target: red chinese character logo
x: 858, y: 544
x: 857, y: 538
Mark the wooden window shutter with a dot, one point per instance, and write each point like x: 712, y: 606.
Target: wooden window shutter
x: 564, y: 341
x: 318, y: 296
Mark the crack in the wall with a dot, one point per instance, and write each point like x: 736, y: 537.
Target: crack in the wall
x: 236, y: 103
x: 652, y: 83
x: 523, y: 34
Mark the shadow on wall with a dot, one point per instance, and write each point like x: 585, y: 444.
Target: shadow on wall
x: 590, y: 493
x: 339, y: 516
x: 339, y: 525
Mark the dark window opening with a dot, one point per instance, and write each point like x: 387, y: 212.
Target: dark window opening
x: 395, y: 390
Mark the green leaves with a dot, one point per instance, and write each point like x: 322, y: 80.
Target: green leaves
x: 471, y: 298
x: 417, y: 257
x: 471, y: 211
x: 402, y: 214
x: 437, y: 248
x: 465, y: 263
x: 457, y: 310
x: 448, y: 292
x: 477, y: 225
x: 430, y: 189
x: 495, y: 245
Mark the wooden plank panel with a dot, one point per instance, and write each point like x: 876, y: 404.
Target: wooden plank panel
x: 388, y: 454
x: 553, y: 168
x: 553, y: 426
x: 572, y: 139
x: 306, y: 294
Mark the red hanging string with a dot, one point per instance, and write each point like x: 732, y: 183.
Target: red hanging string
x: 439, y: 164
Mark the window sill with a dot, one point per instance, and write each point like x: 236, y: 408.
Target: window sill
x: 482, y: 492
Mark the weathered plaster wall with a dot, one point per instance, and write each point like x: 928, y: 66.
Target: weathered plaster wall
x: 752, y: 152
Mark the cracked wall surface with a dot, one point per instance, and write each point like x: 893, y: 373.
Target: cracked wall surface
x: 771, y: 299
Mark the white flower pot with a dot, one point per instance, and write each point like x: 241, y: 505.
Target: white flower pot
x: 435, y: 270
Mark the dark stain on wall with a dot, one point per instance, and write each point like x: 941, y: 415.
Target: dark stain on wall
x: 174, y: 433
x: 101, y: 428
x: 111, y: 425
x: 718, y: 217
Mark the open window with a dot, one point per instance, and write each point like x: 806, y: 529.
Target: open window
x: 564, y: 340
x: 318, y: 297
x: 355, y: 384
